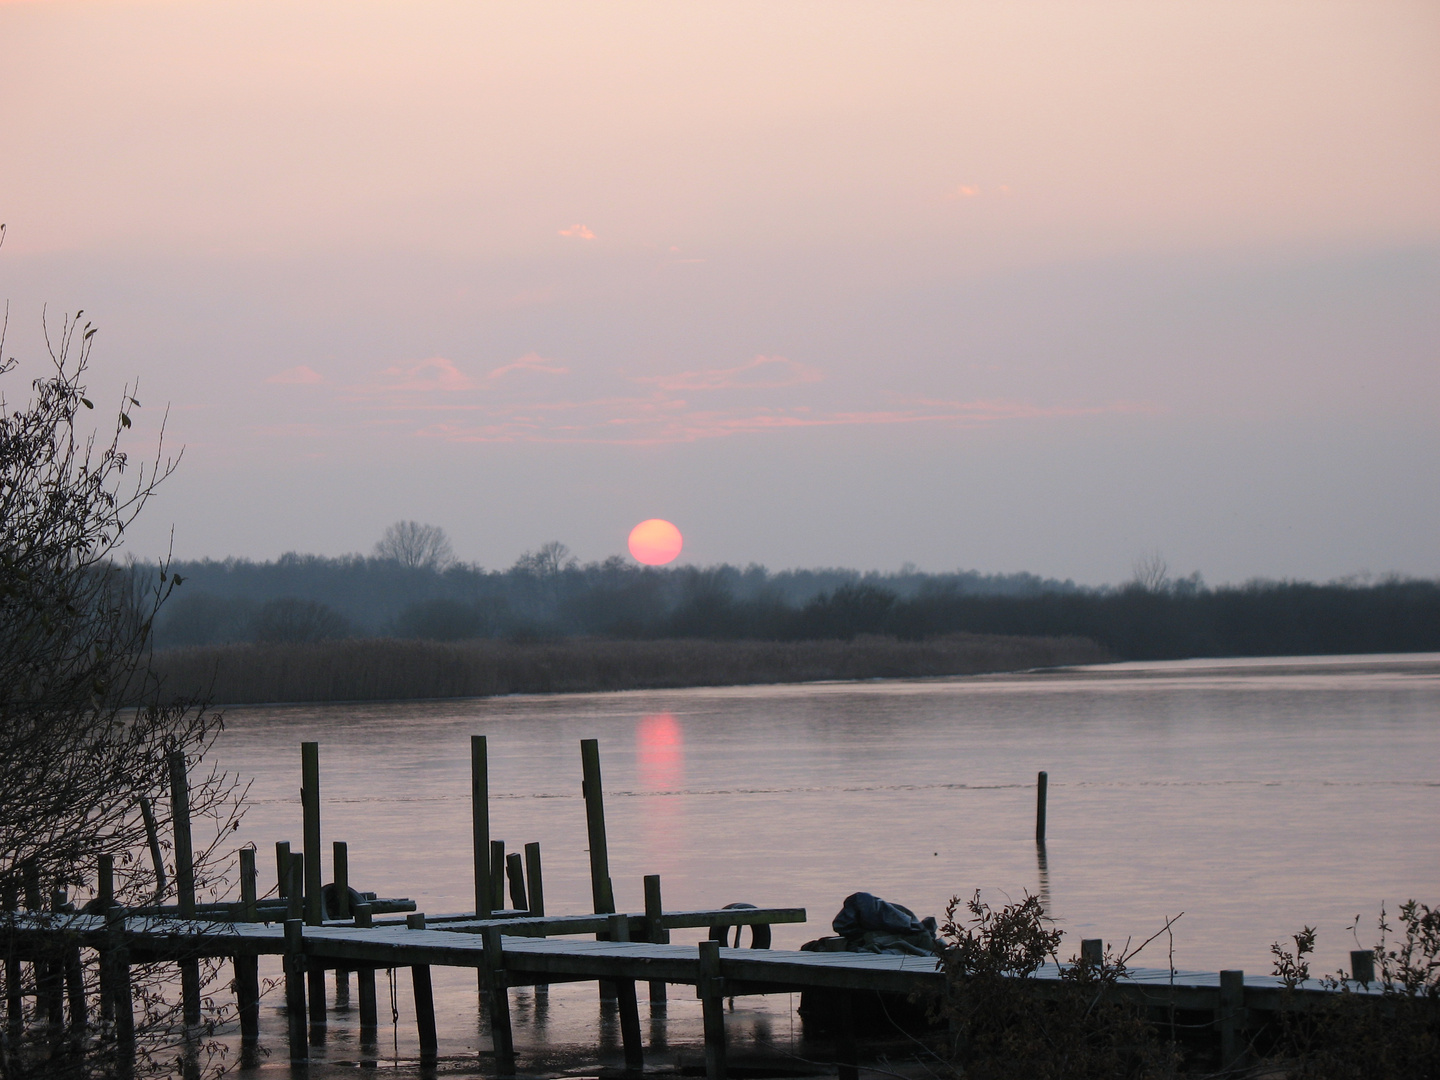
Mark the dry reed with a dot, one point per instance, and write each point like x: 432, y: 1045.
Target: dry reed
x: 382, y: 669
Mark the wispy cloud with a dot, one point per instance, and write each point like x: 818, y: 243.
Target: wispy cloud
x: 297, y: 376
x: 434, y: 374
x: 529, y: 362
x: 760, y: 373
x: 579, y: 232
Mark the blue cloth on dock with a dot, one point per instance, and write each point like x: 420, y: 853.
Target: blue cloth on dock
x: 869, y: 924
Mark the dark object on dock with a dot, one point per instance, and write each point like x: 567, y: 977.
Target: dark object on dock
x: 869, y: 924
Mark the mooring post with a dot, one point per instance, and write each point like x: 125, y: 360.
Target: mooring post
x: 295, y: 879
x: 515, y: 874
x: 184, y: 879
x: 365, y: 980
x: 1041, y: 784
x: 152, y: 837
x: 14, y: 1002
x: 497, y: 875
x: 480, y: 823
x: 847, y: 1053
x: 629, y: 1007
x: 105, y: 900
x: 497, y: 995
x: 282, y: 869
x: 534, y: 883
x: 1092, y: 951
x: 249, y: 884
x: 120, y: 988
x: 424, y: 1000
x: 1231, y: 1017
x: 295, y: 988
x: 1362, y: 966
x: 310, y: 803
x: 656, y: 933
x: 595, y: 827
x: 75, y: 992
x: 342, y: 911
x: 711, y: 990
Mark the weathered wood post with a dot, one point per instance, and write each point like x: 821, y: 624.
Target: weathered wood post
x: 152, y: 837
x: 1362, y: 966
x: 515, y: 874
x: 1041, y: 784
x: 314, y: 897
x: 656, y: 933
x: 480, y: 823
x: 497, y: 994
x: 847, y: 1052
x: 601, y: 889
x: 497, y: 875
x: 295, y: 886
x: 119, y: 957
x: 105, y: 900
x: 247, y: 967
x: 629, y: 1007
x: 184, y: 879
x: 1231, y: 1017
x: 1092, y: 951
x: 282, y: 869
x: 534, y: 882
x: 14, y: 1001
x: 365, y: 978
x: 342, y: 911
x: 424, y: 1000
x: 295, y: 987
x: 711, y: 991
x: 74, y: 980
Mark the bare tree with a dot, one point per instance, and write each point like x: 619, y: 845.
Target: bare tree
x: 547, y: 561
x: 412, y: 544
x: 85, y: 733
x: 1150, y: 572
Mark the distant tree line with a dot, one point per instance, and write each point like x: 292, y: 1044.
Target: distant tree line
x: 413, y: 588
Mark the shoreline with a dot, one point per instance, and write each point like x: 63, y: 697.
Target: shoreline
x: 389, y: 669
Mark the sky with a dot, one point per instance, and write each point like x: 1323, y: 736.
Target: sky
x: 1002, y: 286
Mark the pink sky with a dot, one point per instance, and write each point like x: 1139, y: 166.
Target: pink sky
x: 1004, y: 286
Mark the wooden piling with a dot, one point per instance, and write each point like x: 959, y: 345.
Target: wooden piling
x: 14, y: 1002
x: 310, y: 803
x: 365, y: 980
x: 342, y: 879
x: 295, y: 989
x: 847, y: 1052
x: 515, y: 874
x: 282, y: 869
x: 424, y: 1001
x: 184, y: 880
x: 1092, y: 951
x: 295, y: 886
x: 711, y: 991
x: 1042, y: 783
x: 600, y: 889
x: 497, y: 875
x: 497, y: 996
x: 1231, y: 1017
x: 1362, y: 966
x: 119, y: 959
x: 248, y: 885
x: 152, y: 837
x: 534, y: 883
x: 656, y: 934
x: 480, y: 823
x: 629, y: 1008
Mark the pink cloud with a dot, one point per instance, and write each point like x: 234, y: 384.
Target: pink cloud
x: 529, y: 362
x: 963, y: 191
x: 761, y: 373
x: 579, y: 231
x: 437, y: 373
x: 297, y: 376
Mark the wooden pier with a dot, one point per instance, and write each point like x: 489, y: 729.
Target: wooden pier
x: 314, y: 928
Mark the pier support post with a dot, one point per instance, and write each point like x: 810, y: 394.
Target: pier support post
x: 119, y: 959
x: 711, y: 991
x: 497, y: 993
x: 14, y: 1002
x: 629, y: 1007
x: 105, y: 897
x: 1231, y: 1017
x: 601, y: 891
x: 480, y: 823
x: 247, y: 967
x: 310, y: 803
x: 1092, y: 951
x: 365, y: 980
x: 1042, y: 785
x: 847, y: 1055
x: 342, y: 911
x: 184, y: 880
x: 497, y: 875
x: 249, y: 877
x: 515, y: 874
x: 282, y: 869
x: 424, y: 1001
x: 534, y: 883
x: 656, y: 934
x: 295, y: 989
x: 1362, y: 966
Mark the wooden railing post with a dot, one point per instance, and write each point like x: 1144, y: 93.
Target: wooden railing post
x: 656, y: 933
x: 629, y: 1008
x: 480, y: 824
x: 711, y: 991
x: 424, y: 1000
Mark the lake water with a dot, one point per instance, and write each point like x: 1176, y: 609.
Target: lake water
x: 1255, y: 796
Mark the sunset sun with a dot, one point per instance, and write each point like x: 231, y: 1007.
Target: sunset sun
x: 655, y: 542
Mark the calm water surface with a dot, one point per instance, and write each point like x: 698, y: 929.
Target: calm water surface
x: 1254, y: 796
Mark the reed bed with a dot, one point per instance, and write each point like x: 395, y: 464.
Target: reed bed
x: 386, y: 669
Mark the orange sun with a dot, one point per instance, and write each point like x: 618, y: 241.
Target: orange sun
x: 655, y: 542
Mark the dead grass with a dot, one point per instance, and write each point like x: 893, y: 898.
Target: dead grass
x: 389, y: 669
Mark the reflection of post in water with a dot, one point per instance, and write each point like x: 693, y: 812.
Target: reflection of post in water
x: 1043, y: 865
